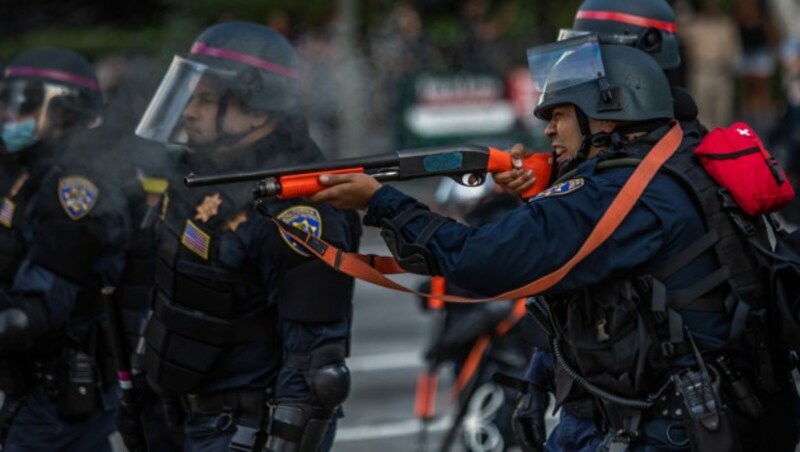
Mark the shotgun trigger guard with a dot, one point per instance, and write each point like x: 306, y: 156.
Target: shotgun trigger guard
x: 474, y: 179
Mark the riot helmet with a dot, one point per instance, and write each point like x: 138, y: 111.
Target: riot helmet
x: 246, y: 63
x: 604, y: 82
x: 648, y: 25
x: 44, y: 91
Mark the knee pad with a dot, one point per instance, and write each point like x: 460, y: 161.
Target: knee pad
x: 327, y: 374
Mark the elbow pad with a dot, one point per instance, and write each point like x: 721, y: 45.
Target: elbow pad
x: 414, y: 257
x: 23, y: 324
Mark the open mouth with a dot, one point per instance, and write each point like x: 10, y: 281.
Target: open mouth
x: 561, y: 154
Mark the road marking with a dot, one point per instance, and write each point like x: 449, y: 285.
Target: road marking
x: 390, y: 429
x: 385, y: 361
x: 408, y: 427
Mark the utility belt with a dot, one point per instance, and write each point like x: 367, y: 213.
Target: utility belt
x: 71, y: 378
x: 703, y: 400
x: 247, y: 411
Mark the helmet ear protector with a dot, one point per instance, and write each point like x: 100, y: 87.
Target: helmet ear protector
x: 650, y: 40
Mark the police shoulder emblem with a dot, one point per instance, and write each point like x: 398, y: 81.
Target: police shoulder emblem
x: 77, y: 196
x: 196, y: 239
x: 561, y: 188
x: 302, y: 217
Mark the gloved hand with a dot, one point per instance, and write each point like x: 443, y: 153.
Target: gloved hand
x: 528, y: 419
x: 129, y: 416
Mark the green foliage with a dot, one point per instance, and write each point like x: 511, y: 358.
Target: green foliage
x: 97, y: 41
x: 186, y: 18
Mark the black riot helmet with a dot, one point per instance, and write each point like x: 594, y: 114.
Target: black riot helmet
x: 604, y: 82
x: 245, y: 61
x: 44, y: 90
x: 648, y: 25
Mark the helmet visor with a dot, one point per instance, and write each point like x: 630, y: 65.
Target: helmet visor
x: 23, y: 99
x: 564, y: 64
x: 185, y: 104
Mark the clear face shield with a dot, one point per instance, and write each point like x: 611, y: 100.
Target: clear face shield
x: 26, y: 105
x: 564, y: 64
x: 185, y: 108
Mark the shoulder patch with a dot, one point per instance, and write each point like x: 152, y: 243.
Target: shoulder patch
x: 77, y: 196
x: 196, y: 240
x: 302, y: 217
x: 562, y: 188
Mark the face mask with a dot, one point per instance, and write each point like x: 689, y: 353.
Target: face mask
x: 19, y: 135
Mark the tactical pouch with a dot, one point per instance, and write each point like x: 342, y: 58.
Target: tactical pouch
x: 737, y: 160
x: 612, y: 340
x: 709, y: 422
x: 77, y: 394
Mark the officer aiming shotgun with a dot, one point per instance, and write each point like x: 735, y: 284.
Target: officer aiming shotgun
x: 466, y: 164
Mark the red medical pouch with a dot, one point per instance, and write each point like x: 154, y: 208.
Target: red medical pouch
x: 737, y: 160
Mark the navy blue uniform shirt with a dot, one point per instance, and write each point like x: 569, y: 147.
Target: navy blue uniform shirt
x: 540, y: 237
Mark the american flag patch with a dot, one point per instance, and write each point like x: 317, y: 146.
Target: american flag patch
x: 196, y: 240
x: 7, y: 212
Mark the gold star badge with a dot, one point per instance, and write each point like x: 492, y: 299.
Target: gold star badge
x: 208, y: 208
x: 237, y: 220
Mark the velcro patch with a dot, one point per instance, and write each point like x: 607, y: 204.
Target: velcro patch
x: 77, y: 196
x: 196, y: 240
x: 304, y: 218
x: 562, y: 188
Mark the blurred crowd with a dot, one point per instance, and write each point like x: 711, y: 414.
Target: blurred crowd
x: 741, y: 62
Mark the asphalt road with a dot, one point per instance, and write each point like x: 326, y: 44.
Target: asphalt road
x: 389, y: 334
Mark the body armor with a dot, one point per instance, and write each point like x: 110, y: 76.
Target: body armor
x: 200, y: 307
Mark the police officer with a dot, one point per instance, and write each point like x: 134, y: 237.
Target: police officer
x: 246, y: 330
x: 649, y: 25
x: 664, y: 243
x: 62, y: 235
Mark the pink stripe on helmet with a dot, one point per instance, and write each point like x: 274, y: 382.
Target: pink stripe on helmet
x: 201, y: 48
x: 630, y: 19
x: 53, y: 74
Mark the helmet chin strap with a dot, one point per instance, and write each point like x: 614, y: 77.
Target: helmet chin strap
x: 589, y: 140
x: 614, y: 140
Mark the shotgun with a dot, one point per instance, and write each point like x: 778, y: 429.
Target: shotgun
x: 466, y: 164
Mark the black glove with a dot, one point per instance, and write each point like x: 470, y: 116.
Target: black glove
x: 129, y: 415
x: 528, y: 419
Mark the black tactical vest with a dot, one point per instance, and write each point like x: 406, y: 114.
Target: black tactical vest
x: 13, y: 220
x: 611, y: 331
x: 199, y: 307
